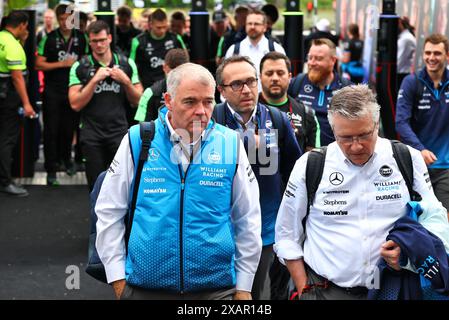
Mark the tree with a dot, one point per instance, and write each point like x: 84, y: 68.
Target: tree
x: 17, y: 4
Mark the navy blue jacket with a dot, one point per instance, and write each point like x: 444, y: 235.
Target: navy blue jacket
x: 271, y: 187
x: 312, y: 96
x: 426, y: 253
x: 422, y: 121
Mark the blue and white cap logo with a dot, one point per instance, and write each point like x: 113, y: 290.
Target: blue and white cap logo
x: 214, y: 157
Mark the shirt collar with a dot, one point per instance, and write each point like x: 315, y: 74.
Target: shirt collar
x: 258, y: 45
x: 176, y: 138
x: 239, y: 117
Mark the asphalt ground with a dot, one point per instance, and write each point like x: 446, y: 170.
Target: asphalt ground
x: 43, y: 245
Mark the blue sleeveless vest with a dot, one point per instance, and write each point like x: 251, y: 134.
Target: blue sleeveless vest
x: 182, y: 238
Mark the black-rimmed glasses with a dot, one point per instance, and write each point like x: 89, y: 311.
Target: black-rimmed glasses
x: 237, y: 85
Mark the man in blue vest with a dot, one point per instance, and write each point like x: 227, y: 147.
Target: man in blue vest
x: 196, y: 227
x: 269, y: 142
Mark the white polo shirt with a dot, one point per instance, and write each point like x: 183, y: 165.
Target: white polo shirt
x: 353, y: 211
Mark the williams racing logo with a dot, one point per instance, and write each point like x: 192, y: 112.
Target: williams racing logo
x: 385, y: 171
x: 214, y: 157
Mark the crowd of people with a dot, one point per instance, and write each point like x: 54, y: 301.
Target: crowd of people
x: 228, y: 206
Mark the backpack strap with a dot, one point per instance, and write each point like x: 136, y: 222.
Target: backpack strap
x: 85, y: 69
x: 278, y: 123
x: 295, y: 85
x: 219, y: 114
x: 147, y: 130
x: 314, y: 173
x: 403, y: 158
x: 236, y: 48
x: 271, y: 44
x: 124, y: 64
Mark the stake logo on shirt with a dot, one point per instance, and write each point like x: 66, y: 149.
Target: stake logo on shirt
x: 63, y: 55
x: 103, y: 86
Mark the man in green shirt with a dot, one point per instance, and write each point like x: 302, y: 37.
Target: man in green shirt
x: 57, y: 52
x: 13, y: 94
x: 101, y: 86
x: 149, y: 48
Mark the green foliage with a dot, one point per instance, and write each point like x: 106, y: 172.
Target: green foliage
x: 17, y: 4
x: 52, y: 3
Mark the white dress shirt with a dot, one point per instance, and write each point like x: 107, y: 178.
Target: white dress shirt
x: 112, y: 204
x: 250, y: 124
x: 353, y: 211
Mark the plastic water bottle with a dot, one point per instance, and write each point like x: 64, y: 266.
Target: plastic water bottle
x: 21, y: 112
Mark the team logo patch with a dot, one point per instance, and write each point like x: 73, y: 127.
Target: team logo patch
x: 153, y: 154
x: 214, y: 157
x: 385, y: 171
x: 308, y: 88
x: 336, y: 178
x: 268, y: 124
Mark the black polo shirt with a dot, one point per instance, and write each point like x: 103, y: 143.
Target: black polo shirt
x: 55, y: 48
x: 149, y: 54
x: 104, y: 117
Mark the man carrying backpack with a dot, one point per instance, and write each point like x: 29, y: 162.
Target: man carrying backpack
x: 272, y: 155
x: 101, y: 87
x: 255, y: 45
x: 331, y: 239
x: 422, y: 113
x: 275, y: 76
x: 315, y: 88
x: 196, y: 227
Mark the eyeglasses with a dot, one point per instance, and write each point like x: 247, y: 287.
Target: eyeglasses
x: 238, y: 84
x: 96, y: 41
x: 348, y: 140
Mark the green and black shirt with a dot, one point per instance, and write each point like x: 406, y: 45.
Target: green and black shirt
x: 55, y: 48
x: 149, y: 54
x: 104, y: 117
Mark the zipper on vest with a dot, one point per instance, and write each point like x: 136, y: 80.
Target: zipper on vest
x: 181, y: 218
x: 181, y: 224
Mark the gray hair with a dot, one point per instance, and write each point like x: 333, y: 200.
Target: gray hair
x: 193, y: 72
x: 354, y: 102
